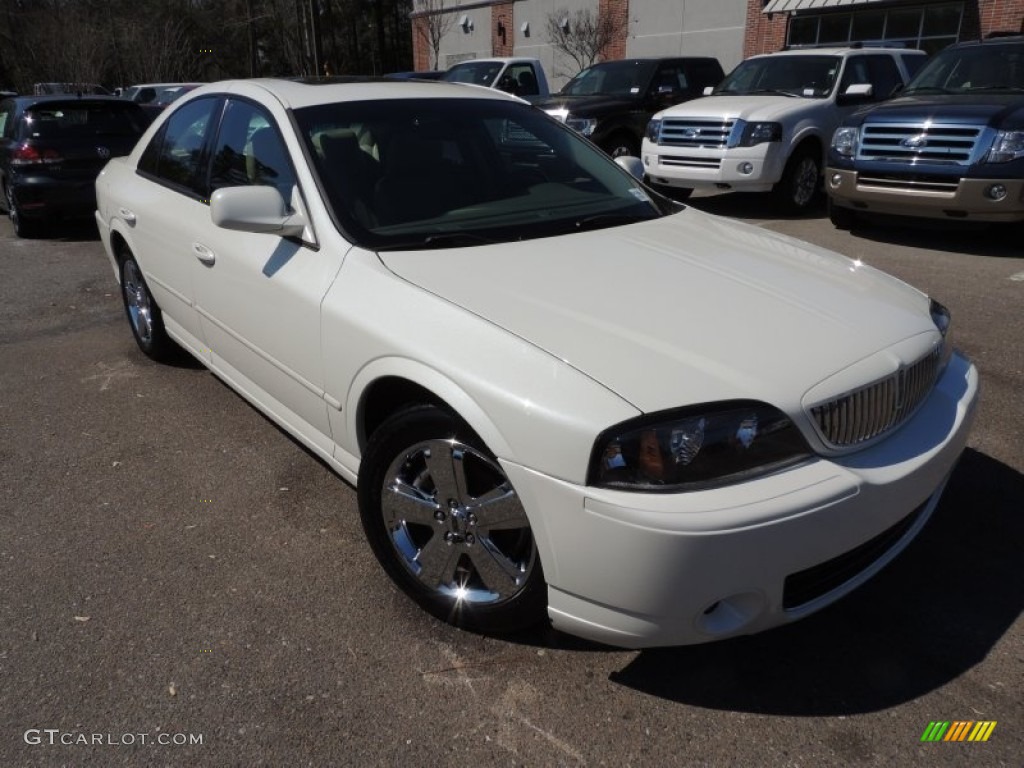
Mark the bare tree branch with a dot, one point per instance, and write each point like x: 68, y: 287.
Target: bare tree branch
x: 583, y: 35
x: 436, y: 23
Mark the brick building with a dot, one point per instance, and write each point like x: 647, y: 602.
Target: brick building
x: 731, y: 30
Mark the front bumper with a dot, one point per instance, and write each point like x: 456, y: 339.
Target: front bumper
x: 965, y: 200
x: 639, y: 570
x: 745, y: 169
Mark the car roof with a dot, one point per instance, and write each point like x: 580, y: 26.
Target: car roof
x: 27, y: 102
x: 840, y: 51
x: 296, y: 94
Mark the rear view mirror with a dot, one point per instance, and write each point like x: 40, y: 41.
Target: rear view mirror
x: 708, y: 90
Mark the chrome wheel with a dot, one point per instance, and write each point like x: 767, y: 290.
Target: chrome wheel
x: 446, y: 524
x: 137, y: 302
x: 456, y: 524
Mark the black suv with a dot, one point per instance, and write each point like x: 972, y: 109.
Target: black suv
x: 611, y: 102
x: 52, y: 148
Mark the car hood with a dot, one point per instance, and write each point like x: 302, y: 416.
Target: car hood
x: 982, y: 109
x: 749, y: 108
x: 687, y: 308
x: 586, y: 106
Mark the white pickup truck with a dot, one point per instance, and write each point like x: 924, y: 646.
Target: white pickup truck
x: 767, y: 125
x: 523, y: 77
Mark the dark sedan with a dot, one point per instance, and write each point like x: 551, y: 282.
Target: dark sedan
x: 52, y: 148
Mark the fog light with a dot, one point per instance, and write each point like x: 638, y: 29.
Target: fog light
x: 996, y: 192
x: 745, y: 168
x: 647, y: 160
x: 836, y: 179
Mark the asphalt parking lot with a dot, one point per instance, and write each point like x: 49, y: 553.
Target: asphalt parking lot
x: 183, y: 584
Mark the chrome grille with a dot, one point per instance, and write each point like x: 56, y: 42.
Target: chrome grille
x: 692, y: 132
x: 908, y: 184
x: 690, y: 162
x: 873, y: 410
x: 916, y: 143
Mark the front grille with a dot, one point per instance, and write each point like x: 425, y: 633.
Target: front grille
x: 916, y: 143
x: 894, y: 183
x: 804, y: 586
x: 691, y: 132
x: 883, y: 405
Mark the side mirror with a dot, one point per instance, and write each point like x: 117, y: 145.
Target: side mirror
x: 256, y: 209
x: 857, y: 92
x: 634, y: 166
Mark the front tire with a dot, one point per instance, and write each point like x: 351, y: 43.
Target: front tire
x: 841, y: 218
x: 144, y: 316
x: 446, y: 524
x: 800, y: 186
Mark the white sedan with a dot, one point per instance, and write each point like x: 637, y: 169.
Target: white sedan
x: 560, y: 395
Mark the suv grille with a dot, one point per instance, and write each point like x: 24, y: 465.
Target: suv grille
x: 873, y: 410
x: 916, y: 143
x: 695, y: 132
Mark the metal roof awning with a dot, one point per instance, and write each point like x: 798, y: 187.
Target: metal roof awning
x: 784, y: 6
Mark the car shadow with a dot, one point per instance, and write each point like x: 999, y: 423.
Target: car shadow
x: 755, y: 206
x: 75, y: 231
x: 974, y: 238
x: 927, y: 618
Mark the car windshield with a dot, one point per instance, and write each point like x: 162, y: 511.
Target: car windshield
x: 82, y: 119
x: 428, y: 173
x: 612, y: 78
x: 797, y: 76
x: 475, y: 72
x: 981, y: 68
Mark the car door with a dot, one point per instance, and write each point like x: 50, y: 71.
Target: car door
x: 162, y: 204
x: 258, y: 295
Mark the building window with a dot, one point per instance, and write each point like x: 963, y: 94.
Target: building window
x: 930, y: 27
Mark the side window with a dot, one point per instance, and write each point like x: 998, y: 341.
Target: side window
x: 856, y: 73
x: 670, y: 79
x: 178, y: 149
x: 885, y: 76
x: 523, y: 80
x: 249, y: 151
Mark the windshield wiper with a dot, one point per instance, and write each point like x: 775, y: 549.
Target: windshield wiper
x: 1013, y: 88
x: 776, y: 91
x: 924, y: 89
x: 602, y: 220
x: 438, y: 241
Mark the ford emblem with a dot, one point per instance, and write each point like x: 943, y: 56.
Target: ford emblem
x: 690, y: 133
x: 915, y: 142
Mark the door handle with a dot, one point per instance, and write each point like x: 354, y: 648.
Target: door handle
x: 127, y: 215
x: 204, y: 254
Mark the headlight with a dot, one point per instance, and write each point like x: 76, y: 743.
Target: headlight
x: 943, y: 321
x: 1008, y: 145
x: 758, y: 133
x: 696, y: 447
x: 583, y: 125
x: 845, y: 141
x: 654, y: 130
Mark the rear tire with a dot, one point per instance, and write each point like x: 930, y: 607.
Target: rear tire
x: 22, y: 227
x: 446, y: 524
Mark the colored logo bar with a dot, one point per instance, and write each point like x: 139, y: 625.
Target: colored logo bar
x: 959, y: 730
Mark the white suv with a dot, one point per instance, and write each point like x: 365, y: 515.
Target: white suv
x: 767, y: 125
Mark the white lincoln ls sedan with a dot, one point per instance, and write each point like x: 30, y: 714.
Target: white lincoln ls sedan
x: 560, y: 396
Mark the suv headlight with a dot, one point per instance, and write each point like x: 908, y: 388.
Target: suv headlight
x: 583, y: 125
x: 1008, y: 145
x: 653, y: 132
x: 759, y: 133
x: 696, y: 447
x: 845, y: 141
